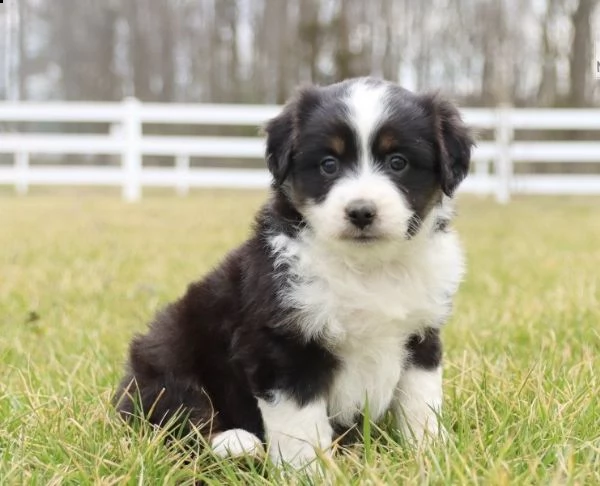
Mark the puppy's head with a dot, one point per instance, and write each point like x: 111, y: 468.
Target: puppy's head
x: 366, y: 160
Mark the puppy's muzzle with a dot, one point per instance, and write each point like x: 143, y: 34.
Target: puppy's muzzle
x: 361, y: 213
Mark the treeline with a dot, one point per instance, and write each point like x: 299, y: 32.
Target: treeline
x: 481, y: 51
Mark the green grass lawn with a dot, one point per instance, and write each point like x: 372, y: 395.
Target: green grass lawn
x: 80, y: 273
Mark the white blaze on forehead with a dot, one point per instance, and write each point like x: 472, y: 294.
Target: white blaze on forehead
x: 367, y: 105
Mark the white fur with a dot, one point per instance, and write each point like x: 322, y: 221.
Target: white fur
x: 328, y: 218
x: 350, y: 290
x: 371, y: 368
x: 366, y: 302
x: 366, y: 101
x: 293, y: 432
x: 418, y: 402
x: 236, y: 443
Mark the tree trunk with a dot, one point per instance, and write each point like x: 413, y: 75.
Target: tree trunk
x: 23, y: 66
x: 547, y: 91
x: 343, y: 55
x: 581, y: 53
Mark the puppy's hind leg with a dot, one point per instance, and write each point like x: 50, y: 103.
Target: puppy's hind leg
x: 177, y: 404
x: 181, y: 406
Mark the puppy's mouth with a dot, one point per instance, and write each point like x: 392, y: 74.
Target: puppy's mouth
x: 362, y: 237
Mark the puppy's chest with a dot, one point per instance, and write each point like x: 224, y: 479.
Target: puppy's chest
x: 336, y: 305
x: 365, y: 320
x: 366, y: 317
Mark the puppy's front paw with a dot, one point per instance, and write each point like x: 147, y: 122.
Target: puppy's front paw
x: 236, y: 443
x: 295, y: 433
x: 295, y: 452
x: 424, y: 431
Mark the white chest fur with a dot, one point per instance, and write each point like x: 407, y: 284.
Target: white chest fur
x: 366, y: 308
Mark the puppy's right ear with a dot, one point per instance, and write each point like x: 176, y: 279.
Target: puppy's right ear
x: 282, y: 133
x: 280, y: 142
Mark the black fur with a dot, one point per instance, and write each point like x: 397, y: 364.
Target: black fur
x: 425, y: 350
x: 219, y: 347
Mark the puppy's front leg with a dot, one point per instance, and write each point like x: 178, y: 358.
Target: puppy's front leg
x: 295, y: 430
x: 418, y: 397
x: 418, y: 402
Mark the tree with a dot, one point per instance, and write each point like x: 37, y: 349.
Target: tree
x: 581, y: 53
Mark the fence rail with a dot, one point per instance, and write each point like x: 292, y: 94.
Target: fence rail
x: 494, y: 161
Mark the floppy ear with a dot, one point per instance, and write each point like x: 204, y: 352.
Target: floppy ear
x: 454, y: 143
x: 282, y: 133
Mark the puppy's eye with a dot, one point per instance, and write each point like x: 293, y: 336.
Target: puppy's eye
x: 396, y: 162
x: 330, y: 166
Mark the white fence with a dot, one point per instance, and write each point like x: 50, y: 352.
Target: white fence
x: 493, y: 161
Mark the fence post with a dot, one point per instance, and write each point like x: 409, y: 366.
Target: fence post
x: 182, y: 168
x: 22, y: 169
x: 132, y: 157
x: 503, y: 162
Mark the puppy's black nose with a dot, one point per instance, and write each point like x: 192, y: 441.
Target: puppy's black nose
x: 361, y: 213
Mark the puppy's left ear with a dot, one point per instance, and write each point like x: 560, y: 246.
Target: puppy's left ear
x: 454, y: 142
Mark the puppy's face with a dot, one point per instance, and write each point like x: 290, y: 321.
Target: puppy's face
x: 365, y: 160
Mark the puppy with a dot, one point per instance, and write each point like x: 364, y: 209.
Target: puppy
x: 338, y: 296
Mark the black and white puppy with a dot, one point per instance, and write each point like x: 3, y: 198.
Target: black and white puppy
x: 338, y: 296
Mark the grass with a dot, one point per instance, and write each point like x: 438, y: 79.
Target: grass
x: 79, y: 274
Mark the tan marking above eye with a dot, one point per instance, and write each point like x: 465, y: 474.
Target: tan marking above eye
x: 338, y: 145
x: 386, y: 142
